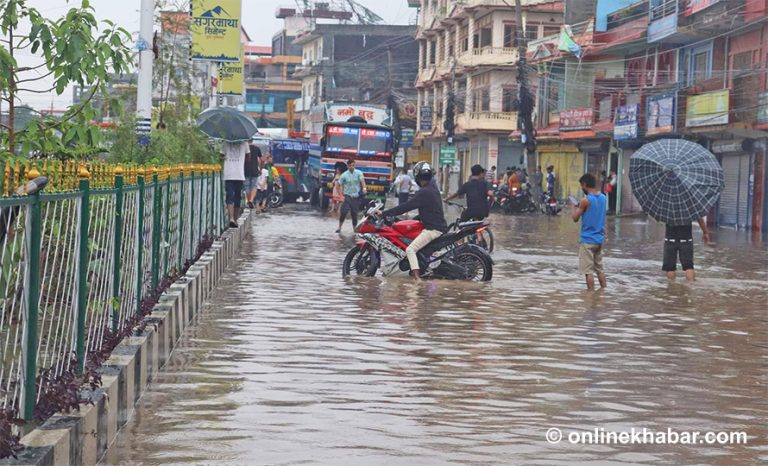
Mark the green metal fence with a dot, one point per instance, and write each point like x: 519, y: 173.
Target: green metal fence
x: 77, y: 260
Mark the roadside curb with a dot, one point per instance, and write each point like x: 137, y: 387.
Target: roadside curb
x: 82, y: 438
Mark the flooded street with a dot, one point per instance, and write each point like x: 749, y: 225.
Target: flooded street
x: 291, y: 364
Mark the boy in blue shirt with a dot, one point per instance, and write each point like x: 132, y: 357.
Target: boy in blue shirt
x: 591, y: 211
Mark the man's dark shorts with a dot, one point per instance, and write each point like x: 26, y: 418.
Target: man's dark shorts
x: 234, y: 189
x: 674, y: 249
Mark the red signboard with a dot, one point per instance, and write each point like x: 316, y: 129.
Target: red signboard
x: 576, y: 119
x: 694, y: 6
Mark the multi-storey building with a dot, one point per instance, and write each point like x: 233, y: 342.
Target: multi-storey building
x: 648, y: 69
x: 270, y: 87
x: 469, y: 47
x: 361, y: 63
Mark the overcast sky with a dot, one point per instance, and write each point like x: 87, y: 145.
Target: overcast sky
x: 258, y: 19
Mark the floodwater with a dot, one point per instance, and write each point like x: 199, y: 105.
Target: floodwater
x: 290, y: 364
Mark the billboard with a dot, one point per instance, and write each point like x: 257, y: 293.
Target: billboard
x: 425, y: 118
x: 231, y: 77
x: 707, y: 109
x: 371, y: 114
x: 625, y: 126
x: 661, y: 113
x: 215, y: 29
x: 576, y: 119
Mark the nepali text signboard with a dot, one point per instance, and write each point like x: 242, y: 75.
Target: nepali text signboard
x: 406, y: 138
x: 661, y: 110
x: 447, y: 155
x: 231, y: 78
x: 626, y: 122
x: 576, y: 119
x: 371, y: 114
x: 215, y: 28
x: 708, y: 109
x: 425, y: 118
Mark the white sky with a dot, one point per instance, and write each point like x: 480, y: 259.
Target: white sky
x: 258, y: 19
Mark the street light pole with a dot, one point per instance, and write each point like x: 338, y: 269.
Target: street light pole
x: 144, y: 90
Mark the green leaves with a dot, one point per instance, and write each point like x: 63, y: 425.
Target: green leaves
x: 74, y: 49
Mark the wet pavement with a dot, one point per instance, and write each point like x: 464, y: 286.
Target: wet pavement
x: 292, y: 364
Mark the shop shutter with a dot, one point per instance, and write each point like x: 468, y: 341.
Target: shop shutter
x: 733, y: 201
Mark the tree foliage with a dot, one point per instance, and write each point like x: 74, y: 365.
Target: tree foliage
x: 74, y: 49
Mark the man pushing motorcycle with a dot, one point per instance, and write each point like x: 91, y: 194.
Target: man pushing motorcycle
x: 430, y: 205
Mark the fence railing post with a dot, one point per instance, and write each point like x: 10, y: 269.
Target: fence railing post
x: 202, y: 203
x: 212, y: 208
x: 192, y: 246
x: 140, y: 238
x: 32, y: 300
x: 82, y: 266
x: 117, y: 252
x: 181, y: 219
x: 156, y: 212
x: 168, y: 172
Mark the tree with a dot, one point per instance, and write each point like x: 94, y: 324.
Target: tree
x: 68, y: 50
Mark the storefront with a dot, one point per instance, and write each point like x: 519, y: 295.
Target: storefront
x: 734, y: 208
x: 569, y: 166
x: 510, y: 155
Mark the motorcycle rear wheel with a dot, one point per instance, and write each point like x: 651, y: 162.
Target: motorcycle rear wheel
x: 479, y: 267
x: 275, y: 199
x: 485, y: 240
x: 361, y: 261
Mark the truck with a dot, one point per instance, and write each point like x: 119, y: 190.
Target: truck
x: 334, y: 139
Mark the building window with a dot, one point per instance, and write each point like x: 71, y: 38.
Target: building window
x: 509, y: 36
x: 531, y: 31
x: 743, y: 61
x: 432, y: 52
x: 482, y: 99
x: 696, y: 64
x: 486, y: 35
x: 508, y: 99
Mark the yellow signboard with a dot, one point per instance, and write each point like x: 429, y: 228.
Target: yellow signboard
x: 708, y: 109
x: 231, y: 78
x: 215, y: 29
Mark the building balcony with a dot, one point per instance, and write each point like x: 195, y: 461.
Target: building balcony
x: 425, y: 76
x: 489, y: 56
x: 676, y: 23
x: 488, y: 121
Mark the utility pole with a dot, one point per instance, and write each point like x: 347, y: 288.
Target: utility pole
x: 525, y: 98
x: 144, y: 89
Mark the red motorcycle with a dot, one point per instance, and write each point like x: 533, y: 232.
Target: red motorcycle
x: 382, y: 243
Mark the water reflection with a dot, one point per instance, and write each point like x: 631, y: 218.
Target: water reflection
x: 292, y: 364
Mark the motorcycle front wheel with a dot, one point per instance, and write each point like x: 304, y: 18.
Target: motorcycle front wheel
x: 485, y: 240
x: 478, y: 266
x: 362, y: 261
x: 275, y: 199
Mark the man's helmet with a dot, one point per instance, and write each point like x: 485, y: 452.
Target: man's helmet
x: 423, y: 171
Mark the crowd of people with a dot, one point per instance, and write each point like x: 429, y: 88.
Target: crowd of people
x: 250, y: 172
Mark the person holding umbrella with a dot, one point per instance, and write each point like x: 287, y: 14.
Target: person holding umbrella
x: 234, y: 177
x: 676, y: 182
x: 678, y: 243
x: 235, y: 128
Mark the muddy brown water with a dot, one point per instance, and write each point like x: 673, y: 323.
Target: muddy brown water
x: 289, y: 364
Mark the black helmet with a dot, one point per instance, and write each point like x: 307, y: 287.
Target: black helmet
x: 423, y: 171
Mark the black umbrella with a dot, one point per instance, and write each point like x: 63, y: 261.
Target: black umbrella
x: 676, y: 181
x: 227, y: 123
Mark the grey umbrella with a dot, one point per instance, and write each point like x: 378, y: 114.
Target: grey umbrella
x: 227, y: 123
x: 676, y: 181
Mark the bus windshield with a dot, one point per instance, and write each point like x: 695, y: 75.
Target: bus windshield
x: 340, y: 139
x: 374, y: 142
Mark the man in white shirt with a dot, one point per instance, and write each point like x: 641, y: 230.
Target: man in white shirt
x: 403, y: 184
x: 234, y: 176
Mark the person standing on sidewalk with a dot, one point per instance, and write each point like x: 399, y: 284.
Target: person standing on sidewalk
x: 234, y: 176
x: 591, y: 211
x: 678, y: 242
x: 252, y: 171
x: 353, y: 184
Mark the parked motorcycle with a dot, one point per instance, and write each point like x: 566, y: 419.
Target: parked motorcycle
x: 483, y: 238
x: 549, y: 205
x: 520, y: 201
x: 276, y: 196
x: 501, y: 198
x: 382, y: 243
